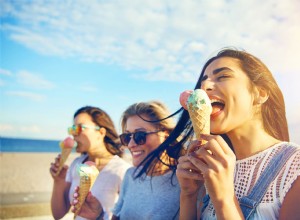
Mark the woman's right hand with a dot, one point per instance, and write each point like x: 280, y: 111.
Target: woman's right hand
x: 90, y: 209
x: 54, y: 168
x: 189, y: 177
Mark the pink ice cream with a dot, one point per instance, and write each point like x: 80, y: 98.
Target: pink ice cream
x: 184, y: 98
x: 68, y: 143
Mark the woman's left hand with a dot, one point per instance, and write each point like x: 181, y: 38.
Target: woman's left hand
x: 91, y: 207
x: 216, y: 162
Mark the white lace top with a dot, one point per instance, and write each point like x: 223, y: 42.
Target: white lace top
x: 247, y: 172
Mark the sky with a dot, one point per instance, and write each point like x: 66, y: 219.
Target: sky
x: 59, y: 55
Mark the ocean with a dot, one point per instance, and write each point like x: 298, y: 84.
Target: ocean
x: 9, y: 145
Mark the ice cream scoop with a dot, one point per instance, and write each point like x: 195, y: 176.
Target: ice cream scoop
x: 199, y: 107
x: 184, y: 97
x: 66, y: 147
x: 68, y: 143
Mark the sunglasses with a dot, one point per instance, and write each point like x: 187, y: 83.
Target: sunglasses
x: 139, y: 137
x: 77, y: 129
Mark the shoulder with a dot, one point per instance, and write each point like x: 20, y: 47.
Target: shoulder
x: 120, y: 161
x: 291, y: 170
x: 118, y: 166
x: 288, y: 149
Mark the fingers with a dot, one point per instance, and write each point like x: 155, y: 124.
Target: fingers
x: 216, y: 140
x: 194, y: 145
x: 54, y: 165
x: 197, y: 162
x: 186, y: 169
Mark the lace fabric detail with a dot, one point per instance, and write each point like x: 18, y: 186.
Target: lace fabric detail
x: 248, y: 170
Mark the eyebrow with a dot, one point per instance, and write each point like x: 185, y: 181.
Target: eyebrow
x: 216, y: 71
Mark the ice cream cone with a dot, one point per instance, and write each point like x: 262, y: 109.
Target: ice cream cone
x: 66, y: 147
x: 88, y: 174
x: 199, y: 107
x: 201, y: 121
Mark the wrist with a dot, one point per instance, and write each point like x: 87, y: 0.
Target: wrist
x: 101, y: 215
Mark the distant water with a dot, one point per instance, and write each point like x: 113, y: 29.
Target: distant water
x: 28, y: 145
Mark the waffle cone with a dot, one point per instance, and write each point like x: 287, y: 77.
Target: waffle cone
x: 86, y: 183
x: 65, y: 152
x: 201, y: 121
x: 84, y: 188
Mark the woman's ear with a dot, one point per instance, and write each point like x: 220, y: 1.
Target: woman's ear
x: 261, y: 95
x: 102, y: 131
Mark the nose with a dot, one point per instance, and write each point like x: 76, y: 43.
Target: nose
x: 131, y: 143
x: 207, y: 85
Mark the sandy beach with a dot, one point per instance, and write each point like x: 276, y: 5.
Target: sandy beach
x: 26, y: 185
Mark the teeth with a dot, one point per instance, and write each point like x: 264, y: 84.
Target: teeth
x: 135, y: 153
x: 216, y: 100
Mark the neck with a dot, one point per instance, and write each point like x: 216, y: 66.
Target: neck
x: 100, y: 158
x: 248, y: 142
x: 159, y: 168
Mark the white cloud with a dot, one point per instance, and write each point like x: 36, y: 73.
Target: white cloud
x: 28, y: 95
x: 147, y: 35
x: 24, y: 130
x: 6, y: 128
x: 167, y: 40
x: 5, y: 72
x: 30, y: 129
x: 33, y: 80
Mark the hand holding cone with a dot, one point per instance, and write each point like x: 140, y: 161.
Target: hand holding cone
x: 88, y: 173
x: 66, y: 147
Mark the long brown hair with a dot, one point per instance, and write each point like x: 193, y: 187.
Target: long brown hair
x: 102, y: 119
x: 273, y: 110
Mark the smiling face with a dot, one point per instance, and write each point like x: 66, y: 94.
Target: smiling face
x: 229, y: 89
x: 140, y: 152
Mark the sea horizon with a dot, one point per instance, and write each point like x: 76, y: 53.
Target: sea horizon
x: 19, y: 145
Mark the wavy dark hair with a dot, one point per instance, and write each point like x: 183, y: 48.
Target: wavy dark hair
x: 273, y: 108
x: 102, y: 119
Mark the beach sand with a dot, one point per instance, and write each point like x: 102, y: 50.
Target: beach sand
x: 26, y: 185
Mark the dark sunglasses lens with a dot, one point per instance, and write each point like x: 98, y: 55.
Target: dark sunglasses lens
x: 139, y: 137
x: 125, y: 139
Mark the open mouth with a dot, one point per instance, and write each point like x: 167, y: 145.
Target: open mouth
x: 217, y: 106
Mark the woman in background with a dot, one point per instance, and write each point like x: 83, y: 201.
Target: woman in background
x: 97, y: 141
x: 150, y: 189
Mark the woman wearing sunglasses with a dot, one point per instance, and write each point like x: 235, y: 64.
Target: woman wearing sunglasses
x: 150, y: 190
x: 97, y: 141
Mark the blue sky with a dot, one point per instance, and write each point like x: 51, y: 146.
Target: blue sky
x: 60, y: 55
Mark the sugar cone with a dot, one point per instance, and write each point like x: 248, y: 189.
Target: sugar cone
x: 65, y: 152
x: 88, y: 175
x: 84, y: 188
x: 200, y: 120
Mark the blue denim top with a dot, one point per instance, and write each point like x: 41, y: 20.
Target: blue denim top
x: 250, y: 202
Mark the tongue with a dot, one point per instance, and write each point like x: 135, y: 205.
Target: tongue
x: 216, y: 108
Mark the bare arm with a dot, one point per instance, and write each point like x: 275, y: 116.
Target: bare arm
x: 290, y: 206
x: 190, y: 181
x: 60, y: 203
